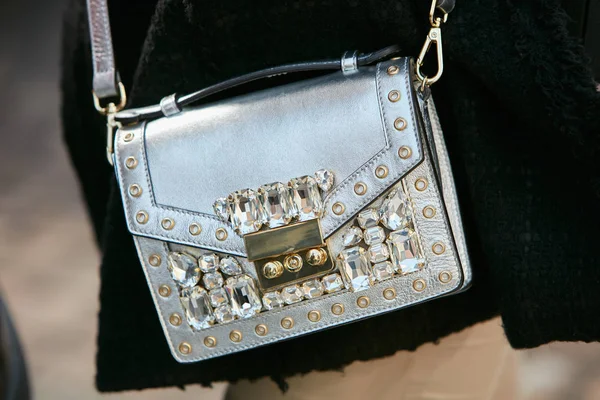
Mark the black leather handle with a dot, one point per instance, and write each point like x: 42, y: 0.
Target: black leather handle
x: 135, y: 115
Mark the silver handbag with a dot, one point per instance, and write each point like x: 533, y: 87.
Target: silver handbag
x: 290, y: 210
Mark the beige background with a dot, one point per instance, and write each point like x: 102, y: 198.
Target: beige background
x: 49, y: 265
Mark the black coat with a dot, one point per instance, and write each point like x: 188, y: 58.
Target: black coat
x: 521, y: 116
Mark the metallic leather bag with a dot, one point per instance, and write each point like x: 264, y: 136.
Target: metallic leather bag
x: 290, y: 210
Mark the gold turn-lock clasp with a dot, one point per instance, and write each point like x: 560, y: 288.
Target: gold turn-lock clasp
x: 288, y: 254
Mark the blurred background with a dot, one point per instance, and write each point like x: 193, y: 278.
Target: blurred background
x: 48, y: 261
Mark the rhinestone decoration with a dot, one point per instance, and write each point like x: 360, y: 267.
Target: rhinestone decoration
x: 272, y: 300
x: 220, y: 208
x: 292, y: 294
x: 332, y: 283
x: 208, y: 262
x: 218, y: 297
x: 306, y: 197
x: 276, y: 201
x: 405, y: 251
x: 325, y: 179
x: 352, y: 236
x: 355, y: 267
x: 230, y: 266
x: 223, y: 314
x: 312, y: 289
x: 395, y: 212
x: 212, y: 280
x: 368, y: 218
x: 374, y: 235
x: 183, y: 268
x: 246, y: 212
x: 243, y: 296
x: 378, y: 253
x: 383, y: 271
x: 197, y: 308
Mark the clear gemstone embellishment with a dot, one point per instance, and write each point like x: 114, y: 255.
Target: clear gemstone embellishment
x: 212, y: 280
x: 306, y: 198
x: 378, y: 253
x: 291, y: 294
x: 374, y: 235
x: 208, y: 262
x: 368, y: 218
x: 395, y: 211
x: 277, y: 203
x: 183, y: 268
x: 325, y: 179
x: 405, y: 252
x: 220, y: 208
x: 383, y: 270
x: 272, y: 300
x: 223, y: 314
x: 230, y: 266
x: 243, y: 295
x: 246, y: 211
x: 355, y: 267
x: 332, y: 283
x: 312, y: 289
x: 197, y: 308
x: 218, y: 297
x: 352, y: 236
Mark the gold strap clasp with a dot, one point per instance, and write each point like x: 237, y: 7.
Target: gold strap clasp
x: 109, y: 111
x: 433, y: 37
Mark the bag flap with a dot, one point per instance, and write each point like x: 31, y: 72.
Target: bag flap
x: 171, y: 170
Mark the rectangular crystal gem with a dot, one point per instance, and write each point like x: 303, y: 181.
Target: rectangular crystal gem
x: 276, y: 201
x: 355, y: 267
x: 246, y: 212
x: 244, y: 298
x: 306, y: 198
x: 405, y: 252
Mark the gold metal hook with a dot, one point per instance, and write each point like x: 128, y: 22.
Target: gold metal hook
x: 433, y: 37
x: 116, y: 107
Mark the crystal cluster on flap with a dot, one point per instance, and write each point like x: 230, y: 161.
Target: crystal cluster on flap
x: 383, y: 244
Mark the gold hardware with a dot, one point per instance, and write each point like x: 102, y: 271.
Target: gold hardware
x: 131, y: 162
x: 154, y: 260
x: 221, y: 234
x: 433, y: 37
x: 293, y: 263
x: 445, y: 276
x: 210, y: 341
x: 164, y: 290
x: 363, y: 301
x: 128, y: 137
x: 393, y: 70
x: 314, y: 316
x: 421, y: 184
x: 389, y: 294
x: 272, y: 269
x: 338, y: 208
x: 419, y: 285
x: 429, y: 212
x: 195, y: 229
x: 316, y: 257
x: 167, y: 224
x: 394, y: 96
x: 185, y: 348
x: 175, y: 319
x: 141, y: 217
x: 261, y: 330
x: 287, y: 323
x: 381, y: 171
x: 235, y: 336
x: 404, y: 152
x: 110, y: 111
x: 337, y: 308
x: 135, y: 190
x: 283, y: 240
x: 400, y: 124
x: 360, y: 188
x: 438, y: 248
